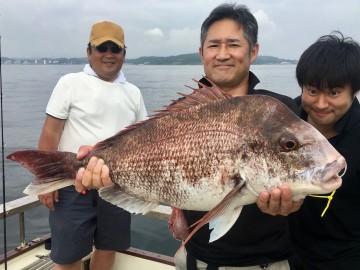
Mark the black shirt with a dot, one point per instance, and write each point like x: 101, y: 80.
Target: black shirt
x: 256, y: 238
x: 333, y: 241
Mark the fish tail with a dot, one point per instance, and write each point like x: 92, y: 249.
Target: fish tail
x: 52, y: 169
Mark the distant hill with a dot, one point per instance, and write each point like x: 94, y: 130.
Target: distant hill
x: 182, y: 59
x: 266, y: 60
x: 194, y: 59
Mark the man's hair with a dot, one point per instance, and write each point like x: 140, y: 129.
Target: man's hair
x: 332, y: 61
x: 238, y: 13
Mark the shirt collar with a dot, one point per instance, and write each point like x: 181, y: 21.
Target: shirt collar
x: 119, y: 79
x: 253, y: 81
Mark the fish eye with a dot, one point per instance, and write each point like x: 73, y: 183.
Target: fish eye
x: 288, y: 144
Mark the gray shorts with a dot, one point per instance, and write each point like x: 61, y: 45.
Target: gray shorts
x: 79, y: 221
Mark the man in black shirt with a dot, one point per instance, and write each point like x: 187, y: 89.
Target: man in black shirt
x: 257, y: 240
x: 328, y: 73
x: 228, y: 47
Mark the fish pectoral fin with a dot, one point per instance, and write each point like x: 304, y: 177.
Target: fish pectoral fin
x: 116, y: 196
x: 223, y: 223
x: 217, y: 211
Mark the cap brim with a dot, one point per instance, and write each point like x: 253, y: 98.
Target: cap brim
x: 97, y: 42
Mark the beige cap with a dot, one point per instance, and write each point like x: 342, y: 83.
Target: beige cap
x: 107, y: 31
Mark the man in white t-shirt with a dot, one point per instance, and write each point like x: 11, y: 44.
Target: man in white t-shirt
x: 85, y: 108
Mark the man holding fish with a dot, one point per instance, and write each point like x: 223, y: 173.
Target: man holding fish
x: 83, y: 107
x: 256, y: 240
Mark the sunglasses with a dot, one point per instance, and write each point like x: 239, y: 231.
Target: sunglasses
x: 104, y: 48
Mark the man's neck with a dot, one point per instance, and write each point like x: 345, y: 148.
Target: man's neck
x: 236, y: 92
x: 243, y: 88
x: 327, y: 131
x: 239, y: 90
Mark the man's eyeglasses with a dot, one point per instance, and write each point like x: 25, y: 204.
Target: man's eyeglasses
x: 104, y: 48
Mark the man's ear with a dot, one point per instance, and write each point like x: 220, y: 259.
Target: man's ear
x: 254, y: 52
x: 201, y: 54
x: 355, y: 94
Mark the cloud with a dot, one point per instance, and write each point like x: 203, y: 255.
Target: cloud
x: 61, y: 28
x: 267, y: 27
x: 168, y: 42
x: 154, y: 34
x: 184, y: 36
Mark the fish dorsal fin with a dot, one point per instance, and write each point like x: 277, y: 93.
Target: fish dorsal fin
x: 219, y: 210
x: 202, y: 95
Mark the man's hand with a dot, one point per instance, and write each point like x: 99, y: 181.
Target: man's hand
x: 278, y: 202
x: 96, y: 175
x: 48, y: 199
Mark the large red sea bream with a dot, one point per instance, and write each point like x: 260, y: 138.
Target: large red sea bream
x: 207, y: 152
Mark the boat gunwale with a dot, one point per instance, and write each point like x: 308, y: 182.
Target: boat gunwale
x: 11, y: 254
x: 143, y: 254
x: 19, y: 206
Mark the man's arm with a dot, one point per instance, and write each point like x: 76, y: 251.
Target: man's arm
x: 49, y: 141
x: 51, y: 133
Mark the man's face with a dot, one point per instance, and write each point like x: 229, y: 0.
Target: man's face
x: 106, y: 64
x: 326, y: 106
x: 226, y: 56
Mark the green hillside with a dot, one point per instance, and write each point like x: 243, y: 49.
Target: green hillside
x: 182, y: 59
x: 194, y: 59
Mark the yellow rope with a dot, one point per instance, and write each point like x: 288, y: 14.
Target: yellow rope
x: 330, y: 197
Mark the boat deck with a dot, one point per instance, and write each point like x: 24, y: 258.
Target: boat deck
x: 39, y: 259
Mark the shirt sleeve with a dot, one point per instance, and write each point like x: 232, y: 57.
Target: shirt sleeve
x: 60, y: 100
x: 142, y: 113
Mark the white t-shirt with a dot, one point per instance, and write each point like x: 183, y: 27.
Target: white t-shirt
x: 94, y: 109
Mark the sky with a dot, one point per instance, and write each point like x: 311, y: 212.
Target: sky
x: 61, y: 28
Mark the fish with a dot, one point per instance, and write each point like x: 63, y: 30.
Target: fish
x: 207, y: 151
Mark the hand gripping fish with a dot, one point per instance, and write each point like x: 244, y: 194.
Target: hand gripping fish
x: 206, y: 152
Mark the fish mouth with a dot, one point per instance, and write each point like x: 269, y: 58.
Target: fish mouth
x: 328, y: 178
x: 333, y: 183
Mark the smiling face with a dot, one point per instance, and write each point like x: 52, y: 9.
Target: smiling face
x: 107, y: 64
x: 326, y: 106
x: 226, y: 56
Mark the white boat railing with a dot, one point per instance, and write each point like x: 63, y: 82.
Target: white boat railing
x: 19, y: 206
x: 35, y: 252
